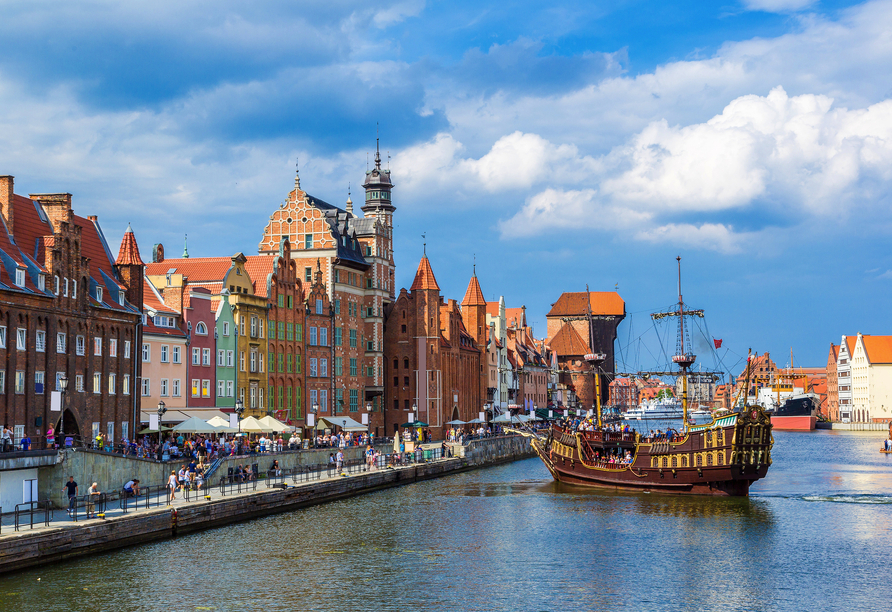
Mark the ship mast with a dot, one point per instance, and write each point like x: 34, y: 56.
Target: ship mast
x: 594, y: 359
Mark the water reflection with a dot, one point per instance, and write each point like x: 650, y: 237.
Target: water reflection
x: 509, y: 538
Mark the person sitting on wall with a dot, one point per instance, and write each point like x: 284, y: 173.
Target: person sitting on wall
x: 131, y: 489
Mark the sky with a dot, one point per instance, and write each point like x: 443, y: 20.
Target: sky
x: 557, y: 145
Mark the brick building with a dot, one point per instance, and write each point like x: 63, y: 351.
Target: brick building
x: 437, y: 369
x: 66, y: 308
x: 832, y: 384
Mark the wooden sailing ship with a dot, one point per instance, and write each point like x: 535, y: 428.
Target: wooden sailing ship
x: 722, y: 457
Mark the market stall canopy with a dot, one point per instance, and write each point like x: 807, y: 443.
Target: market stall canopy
x: 152, y: 431
x: 253, y: 425
x: 472, y: 421
x: 218, y: 421
x: 415, y: 424
x: 456, y: 422
x: 276, y: 424
x: 508, y: 418
x: 195, y: 425
x: 344, y: 422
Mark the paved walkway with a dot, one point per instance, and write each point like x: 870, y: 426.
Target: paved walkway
x: 59, y: 518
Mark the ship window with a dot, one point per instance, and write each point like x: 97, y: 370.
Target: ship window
x: 721, y: 458
x: 699, y: 460
x: 708, y: 459
x: 674, y: 461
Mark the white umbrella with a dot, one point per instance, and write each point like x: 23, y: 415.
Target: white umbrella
x: 276, y: 424
x: 218, y: 421
x: 253, y: 425
x: 195, y: 425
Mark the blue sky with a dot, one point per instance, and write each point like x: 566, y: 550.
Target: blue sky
x: 563, y: 143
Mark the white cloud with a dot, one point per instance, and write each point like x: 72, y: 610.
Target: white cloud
x: 707, y: 236
x: 777, y: 6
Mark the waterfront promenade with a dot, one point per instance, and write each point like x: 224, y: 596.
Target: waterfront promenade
x: 56, y: 536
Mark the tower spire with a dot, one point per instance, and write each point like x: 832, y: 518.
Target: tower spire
x: 186, y: 246
x: 349, y: 200
x: 377, y: 147
x: 297, y: 174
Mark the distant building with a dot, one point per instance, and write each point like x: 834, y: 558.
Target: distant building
x: 832, y: 383
x: 844, y: 378
x: 872, y: 379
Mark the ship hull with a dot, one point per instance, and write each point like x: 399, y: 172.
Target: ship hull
x: 721, y: 458
x: 794, y: 423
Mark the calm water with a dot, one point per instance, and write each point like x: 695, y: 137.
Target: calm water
x: 814, y: 535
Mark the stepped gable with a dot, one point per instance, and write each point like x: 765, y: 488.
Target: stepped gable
x: 568, y: 342
x: 474, y: 295
x: 600, y: 302
x: 424, y: 277
x: 128, y: 254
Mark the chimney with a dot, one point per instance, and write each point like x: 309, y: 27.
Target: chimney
x: 6, y: 197
x: 57, y: 207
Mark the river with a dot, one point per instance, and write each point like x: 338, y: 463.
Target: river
x: 815, y: 534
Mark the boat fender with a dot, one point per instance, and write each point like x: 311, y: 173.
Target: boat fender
x: 700, y: 472
x: 661, y: 473
x: 674, y: 473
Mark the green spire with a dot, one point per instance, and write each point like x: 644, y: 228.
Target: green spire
x: 186, y: 247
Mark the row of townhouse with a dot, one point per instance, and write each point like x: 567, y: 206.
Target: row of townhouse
x: 859, y: 379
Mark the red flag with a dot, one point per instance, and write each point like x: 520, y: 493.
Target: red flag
x: 717, y: 342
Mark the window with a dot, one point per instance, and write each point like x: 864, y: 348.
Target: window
x: 339, y: 336
x: 176, y: 387
x: 126, y: 349
x: 289, y: 334
x: 230, y: 359
x: 65, y: 288
x: 339, y: 366
x: 221, y: 388
x: 3, y: 337
x: 221, y: 357
x: 339, y: 400
x: 299, y: 332
x: 205, y: 388
x: 176, y: 354
x: 73, y: 288
x: 253, y: 361
x: 21, y: 339
x: 225, y: 328
x: 308, y: 242
x: 353, y: 366
x: 323, y: 400
x: 272, y: 329
x: 79, y: 383
x: 318, y: 307
x: 112, y: 347
x: 165, y: 387
x: 125, y: 388
x: 354, y: 400
x: 308, y: 275
x: 337, y: 306
x: 242, y: 324
x: 20, y: 381
x: 352, y: 338
x: 97, y: 382
x: 201, y: 329
x: 314, y: 397
x: 195, y: 387
x: 253, y: 327
x: 20, y: 277
x: 323, y: 336
x: 313, y: 336
x: 98, y: 294
x: 59, y: 381
x: 313, y: 369
x: 323, y: 367
x: 165, y: 353
x: 230, y: 388
x: 40, y: 343
x: 111, y: 384
x: 260, y: 361
x: 196, y: 356
x: 146, y: 351
x: 253, y: 397
x: 298, y: 364
x: 281, y: 361
x: 242, y: 360
x: 2, y: 381
x: 39, y: 381
x: 97, y: 345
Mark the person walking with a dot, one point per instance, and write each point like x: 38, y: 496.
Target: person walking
x: 339, y: 460
x: 6, y: 439
x: 71, y: 488
x: 172, y: 485
x: 51, y: 438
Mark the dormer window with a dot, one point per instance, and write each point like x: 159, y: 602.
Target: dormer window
x: 20, y: 277
x: 121, y: 298
x: 56, y: 279
x: 98, y: 294
x: 41, y: 283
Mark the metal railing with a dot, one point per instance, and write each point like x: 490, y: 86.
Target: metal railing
x: 28, y: 508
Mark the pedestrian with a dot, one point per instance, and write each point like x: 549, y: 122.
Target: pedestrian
x: 26, y: 443
x: 131, y: 489
x: 71, y: 487
x: 172, y: 485
x: 92, y: 495
x: 51, y: 437
x: 6, y: 439
x: 339, y: 460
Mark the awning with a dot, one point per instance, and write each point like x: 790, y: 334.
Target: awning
x: 275, y: 424
x: 344, y: 422
x: 253, y: 425
x: 415, y: 424
x: 195, y: 425
x: 456, y: 422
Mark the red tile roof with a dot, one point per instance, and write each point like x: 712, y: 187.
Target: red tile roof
x: 600, y: 302
x: 568, y: 342
x: 197, y: 269
x: 515, y: 317
x: 259, y: 267
x: 424, y: 277
x: 492, y: 309
x: 474, y: 295
x: 128, y: 254
x: 878, y: 348
x: 152, y: 299
x: 28, y: 225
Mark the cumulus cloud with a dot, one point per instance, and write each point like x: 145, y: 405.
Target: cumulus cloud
x: 777, y: 6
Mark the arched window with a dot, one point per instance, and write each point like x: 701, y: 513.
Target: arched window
x: 406, y: 363
x: 201, y: 329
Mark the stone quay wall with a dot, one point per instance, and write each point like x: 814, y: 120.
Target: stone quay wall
x: 49, y: 545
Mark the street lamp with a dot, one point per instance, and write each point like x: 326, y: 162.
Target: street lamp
x: 161, y: 410
x: 239, y: 410
x: 63, y: 387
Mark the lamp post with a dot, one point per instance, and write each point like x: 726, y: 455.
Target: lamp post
x: 161, y: 410
x: 63, y: 387
x: 314, y: 410
x: 239, y: 410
